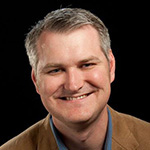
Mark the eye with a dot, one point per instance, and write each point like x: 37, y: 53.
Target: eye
x: 88, y: 65
x: 55, y: 71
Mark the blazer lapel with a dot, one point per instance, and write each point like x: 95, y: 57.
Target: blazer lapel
x: 46, y: 140
x: 122, y: 137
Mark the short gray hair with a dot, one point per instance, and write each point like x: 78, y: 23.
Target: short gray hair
x: 61, y: 21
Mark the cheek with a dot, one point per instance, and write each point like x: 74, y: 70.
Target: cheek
x: 48, y: 86
x: 47, y: 90
x: 98, y: 77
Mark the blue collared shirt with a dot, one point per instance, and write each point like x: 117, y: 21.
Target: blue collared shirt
x: 61, y: 145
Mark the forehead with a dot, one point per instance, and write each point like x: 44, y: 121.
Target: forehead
x: 80, y: 43
x: 87, y: 30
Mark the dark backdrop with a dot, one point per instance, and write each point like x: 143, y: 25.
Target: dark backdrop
x: 128, y: 25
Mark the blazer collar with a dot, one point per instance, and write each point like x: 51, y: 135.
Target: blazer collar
x: 122, y: 137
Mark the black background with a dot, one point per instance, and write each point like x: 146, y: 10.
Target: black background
x: 128, y: 25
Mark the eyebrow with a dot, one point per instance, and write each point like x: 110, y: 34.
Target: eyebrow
x: 92, y: 58
x: 57, y: 65
x: 50, y: 65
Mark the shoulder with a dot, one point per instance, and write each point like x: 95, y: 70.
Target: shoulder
x: 29, y: 139
x: 126, y: 126
x: 25, y: 138
x: 135, y: 125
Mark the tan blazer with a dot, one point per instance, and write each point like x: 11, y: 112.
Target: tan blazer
x: 129, y: 133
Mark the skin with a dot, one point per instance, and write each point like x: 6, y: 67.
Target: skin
x: 74, y: 81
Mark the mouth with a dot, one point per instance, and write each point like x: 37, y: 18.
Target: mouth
x: 72, y: 98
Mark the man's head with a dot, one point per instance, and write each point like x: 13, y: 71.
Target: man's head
x: 72, y: 64
x: 61, y: 21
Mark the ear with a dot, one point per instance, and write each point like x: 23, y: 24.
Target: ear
x: 112, y: 66
x: 34, y: 79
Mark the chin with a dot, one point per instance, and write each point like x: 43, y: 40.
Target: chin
x: 82, y: 118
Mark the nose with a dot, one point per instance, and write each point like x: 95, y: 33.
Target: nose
x: 74, y: 80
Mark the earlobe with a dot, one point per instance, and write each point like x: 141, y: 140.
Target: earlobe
x: 33, y: 77
x: 112, y: 66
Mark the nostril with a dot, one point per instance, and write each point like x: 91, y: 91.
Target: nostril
x: 74, y: 80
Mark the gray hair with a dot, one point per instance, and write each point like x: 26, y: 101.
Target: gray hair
x: 61, y: 21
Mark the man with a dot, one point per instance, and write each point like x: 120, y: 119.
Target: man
x: 72, y: 69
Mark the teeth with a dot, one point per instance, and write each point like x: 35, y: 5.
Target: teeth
x: 76, y: 98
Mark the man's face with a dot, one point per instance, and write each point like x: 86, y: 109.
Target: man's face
x: 73, y: 75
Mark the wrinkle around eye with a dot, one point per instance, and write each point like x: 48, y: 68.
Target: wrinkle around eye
x: 55, y: 71
x: 88, y: 65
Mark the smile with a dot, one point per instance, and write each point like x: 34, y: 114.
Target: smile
x: 69, y: 98
x: 76, y: 98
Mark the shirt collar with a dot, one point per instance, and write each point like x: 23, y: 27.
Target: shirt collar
x: 108, y: 141
x: 59, y: 142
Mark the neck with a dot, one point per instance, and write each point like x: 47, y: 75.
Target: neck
x: 85, y: 135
